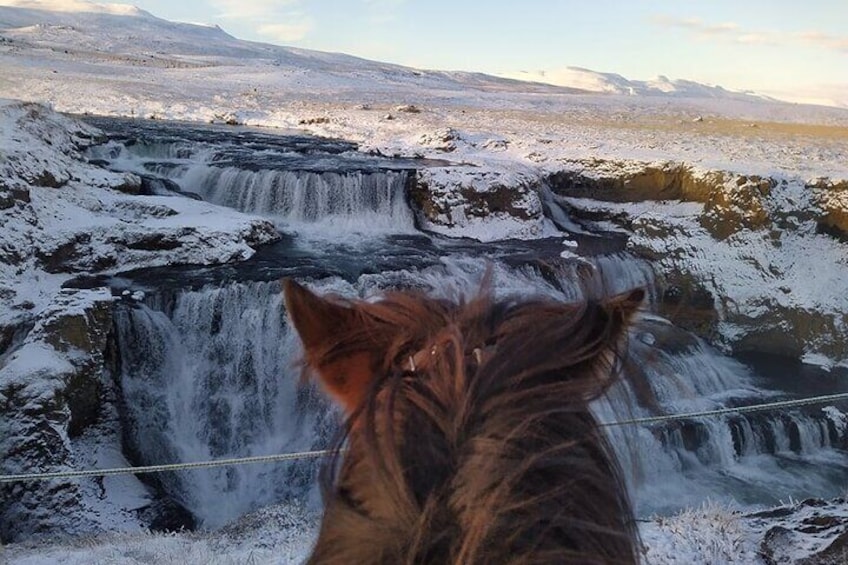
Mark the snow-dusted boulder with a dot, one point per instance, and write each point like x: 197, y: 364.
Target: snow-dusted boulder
x: 832, y: 197
x: 485, y: 204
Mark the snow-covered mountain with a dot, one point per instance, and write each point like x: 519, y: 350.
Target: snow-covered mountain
x: 80, y: 27
x: 612, y: 83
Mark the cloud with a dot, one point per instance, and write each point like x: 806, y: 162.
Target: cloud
x: 697, y: 25
x: 825, y: 40
x: 252, y: 9
x: 731, y: 31
x: 286, y: 32
x: 278, y: 20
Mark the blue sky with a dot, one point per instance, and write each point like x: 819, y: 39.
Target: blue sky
x: 768, y: 45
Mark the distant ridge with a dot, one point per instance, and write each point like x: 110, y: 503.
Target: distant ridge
x: 612, y: 83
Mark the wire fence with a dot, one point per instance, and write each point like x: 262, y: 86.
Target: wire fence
x: 275, y: 458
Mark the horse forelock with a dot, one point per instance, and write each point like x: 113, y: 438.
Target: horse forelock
x: 475, y: 442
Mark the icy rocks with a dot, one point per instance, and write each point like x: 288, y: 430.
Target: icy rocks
x: 485, y: 205
x: 812, y: 532
x: 59, y: 215
x: 50, y: 391
x: 619, y: 181
x: 735, y: 253
x: 832, y: 197
x: 444, y: 140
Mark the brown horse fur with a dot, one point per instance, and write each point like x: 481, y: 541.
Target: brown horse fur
x: 468, y: 436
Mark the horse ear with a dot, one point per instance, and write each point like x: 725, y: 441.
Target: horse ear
x: 623, y: 307
x: 324, y: 326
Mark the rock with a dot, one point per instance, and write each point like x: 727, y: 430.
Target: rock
x: 835, y: 554
x: 443, y: 140
x: 155, y: 242
x: 736, y: 206
x: 496, y: 144
x: 465, y: 202
x: 832, y: 197
x: 50, y: 179
x: 776, y: 546
x: 84, y: 333
x: 688, y: 303
x: 726, y: 268
x: 76, y: 255
x: 49, y: 392
x: 789, y: 331
x: 228, y: 118
x: 616, y: 181
x: 813, y: 532
x: 314, y: 121
x: 166, y: 515
x: 152, y: 186
x: 132, y: 184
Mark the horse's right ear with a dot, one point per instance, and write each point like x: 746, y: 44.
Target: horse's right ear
x: 325, y: 327
x: 624, y: 307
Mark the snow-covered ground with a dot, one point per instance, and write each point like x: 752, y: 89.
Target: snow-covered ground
x: 709, y: 535
x: 56, y: 201
x: 117, y: 61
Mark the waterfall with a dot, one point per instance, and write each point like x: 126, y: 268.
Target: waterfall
x: 323, y: 195
x: 209, y: 373
x: 213, y: 378
x: 759, y: 458
x: 340, y: 202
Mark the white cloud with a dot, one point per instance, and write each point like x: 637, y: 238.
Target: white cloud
x: 824, y: 40
x: 697, y: 25
x: 278, y: 20
x: 252, y: 9
x: 731, y: 31
x: 286, y: 32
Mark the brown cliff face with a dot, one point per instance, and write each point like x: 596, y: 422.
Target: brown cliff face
x: 753, y: 224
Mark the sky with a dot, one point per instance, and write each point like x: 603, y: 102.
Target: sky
x: 795, y: 49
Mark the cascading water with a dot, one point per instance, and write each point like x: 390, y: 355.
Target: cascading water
x: 322, y: 194
x: 208, y: 375
x: 213, y: 378
x: 752, y: 459
x: 343, y: 202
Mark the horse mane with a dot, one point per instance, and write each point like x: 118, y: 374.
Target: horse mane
x: 473, y: 441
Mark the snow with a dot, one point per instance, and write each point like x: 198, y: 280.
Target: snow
x: 712, y: 533
x: 86, y: 211
x: 611, y: 83
x: 74, y: 6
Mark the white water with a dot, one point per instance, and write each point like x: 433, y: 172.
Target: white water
x: 328, y: 205
x: 337, y: 203
x: 215, y: 380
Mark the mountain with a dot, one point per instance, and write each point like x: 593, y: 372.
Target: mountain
x: 83, y: 28
x: 612, y: 83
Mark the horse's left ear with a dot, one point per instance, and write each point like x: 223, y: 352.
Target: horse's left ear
x: 344, y: 367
